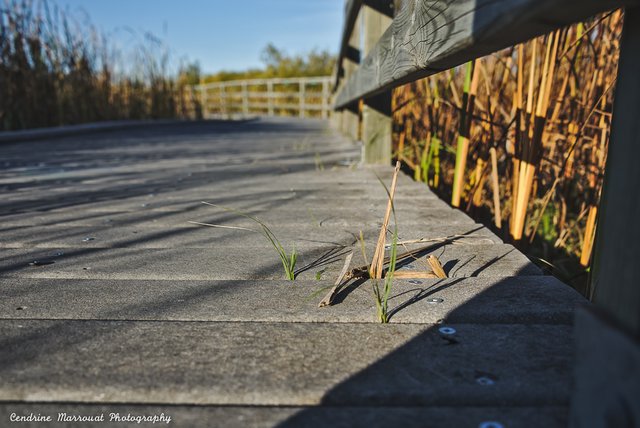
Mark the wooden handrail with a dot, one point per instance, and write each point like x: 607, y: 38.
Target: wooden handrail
x: 256, y: 97
x: 348, y: 52
x: 259, y: 82
x: 429, y: 36
x: 352, y: 8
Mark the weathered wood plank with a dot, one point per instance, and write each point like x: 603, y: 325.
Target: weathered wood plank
x: 376, y: 113
x: 607, y: 374
x: 287, y: 364
x: 350, y: 117
x: 511, y: 348
x: 428, y: 36
x: 308, y: 417
x: 616, y: 271
x: 352, y: 9
x: 263, y: 82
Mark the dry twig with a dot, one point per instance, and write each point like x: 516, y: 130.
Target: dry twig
x: 328, y: 299
x: 436, y: 266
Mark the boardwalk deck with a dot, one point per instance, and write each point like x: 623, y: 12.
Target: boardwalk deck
x: 137, y: 311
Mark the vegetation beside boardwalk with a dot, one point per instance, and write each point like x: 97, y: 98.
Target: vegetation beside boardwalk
x: 278, y: 63
x: 519, y: 139
x: 58, y: 70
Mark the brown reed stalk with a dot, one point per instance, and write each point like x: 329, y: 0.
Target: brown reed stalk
x: 532, y: 151
x: 377, y: 262
x: 496, y: 188
x: 468, y: 103
x: 553, y: 167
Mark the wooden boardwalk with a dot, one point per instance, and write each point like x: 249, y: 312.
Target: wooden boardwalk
x: 132, y: 309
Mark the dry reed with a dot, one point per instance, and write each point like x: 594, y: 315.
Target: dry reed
x: 524, y: 147
x: 55, y: 70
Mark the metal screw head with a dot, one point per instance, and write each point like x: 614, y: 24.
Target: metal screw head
x: 435, y: 300
x: 41, y: 262
x: 490, y: 424
x: 485, y: 381
x: 415, y: 281
x: 447, y: 330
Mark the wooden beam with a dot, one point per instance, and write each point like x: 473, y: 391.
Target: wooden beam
x: 615, y: 280
x: 351, y: 11
x: 428, y: 36
x: 376, y: 112
x: 376, y: 130
x: 350, y: 119
x: 325, y: 99
x: 385, y: 7
x: 606, y: 383
x: 270, y: 98
x: 245, y: 99
x: 302, y: 99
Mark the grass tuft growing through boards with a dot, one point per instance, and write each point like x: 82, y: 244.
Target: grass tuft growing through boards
x: 288, y: 259
x: 381, y: 293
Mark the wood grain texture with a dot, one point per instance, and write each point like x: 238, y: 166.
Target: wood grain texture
x: 615, y: 280
x: 376, y: 111
x: 351, y: 11
x: 428, y: 36
x: 607, y: 374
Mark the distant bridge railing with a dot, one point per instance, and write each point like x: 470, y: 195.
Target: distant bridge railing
x: 388, y: 43
x: 295, y: 96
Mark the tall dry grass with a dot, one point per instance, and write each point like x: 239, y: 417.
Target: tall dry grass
x: 58, y: 70
x: 519, y: 139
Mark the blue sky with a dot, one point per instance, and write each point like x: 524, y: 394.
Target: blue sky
x: 220, y: 34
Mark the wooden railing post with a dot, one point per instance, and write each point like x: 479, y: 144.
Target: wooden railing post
x: 270, y: 98
x: 615, y: 280
x: 204, y: 101
x: 350, y: 119
x: 607, y: 374
x: 325, y: 98
x: 376, y: 113
x: 301, y: 94
x: 223, y: 100
x: 245, y: 99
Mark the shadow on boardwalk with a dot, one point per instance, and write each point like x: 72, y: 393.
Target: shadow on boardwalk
x: 169, y: 319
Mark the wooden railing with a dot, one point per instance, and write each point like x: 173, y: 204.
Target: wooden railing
x: 404, y: 40
x: 297, y: 96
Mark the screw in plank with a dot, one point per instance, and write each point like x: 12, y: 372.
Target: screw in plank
x: 41, y: 262
x: 485, y: 381
x: 490, y: 424
x: 448, y: 331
